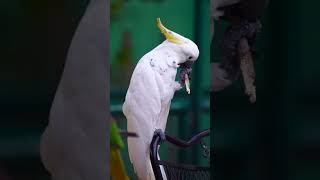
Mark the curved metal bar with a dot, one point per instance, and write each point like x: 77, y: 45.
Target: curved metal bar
x: 195, y: 139
x: 184, y: 166
x: 156, y: 141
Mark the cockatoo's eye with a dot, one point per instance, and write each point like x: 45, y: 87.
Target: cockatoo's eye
x: 190, y: 57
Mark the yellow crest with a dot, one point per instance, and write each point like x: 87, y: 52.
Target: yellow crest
x: 167, y: 33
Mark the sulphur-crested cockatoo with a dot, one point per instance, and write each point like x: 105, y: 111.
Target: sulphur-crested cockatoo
x: 149, y: 95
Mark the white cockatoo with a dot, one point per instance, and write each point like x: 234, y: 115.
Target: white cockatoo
x: 149, y: 95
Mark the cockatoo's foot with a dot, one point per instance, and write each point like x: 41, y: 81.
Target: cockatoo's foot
x: 186, y: 68
x: 176, y: 86
x: 160, y: 133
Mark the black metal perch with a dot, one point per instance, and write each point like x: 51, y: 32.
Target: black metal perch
x: 174, y: 170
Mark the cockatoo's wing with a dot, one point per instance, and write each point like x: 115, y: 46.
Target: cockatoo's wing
x: 162, y: 122
x: 142, y: 109
x: 143, y: 100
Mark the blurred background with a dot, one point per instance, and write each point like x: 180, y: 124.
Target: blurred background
x: 133, y: 33
x: 35, y: 36
x: 279, y: 136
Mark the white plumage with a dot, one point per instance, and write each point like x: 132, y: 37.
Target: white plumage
x: 149, y: 95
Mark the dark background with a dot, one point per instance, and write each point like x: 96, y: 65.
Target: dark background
x: 279, y: 136
x: 35, y: 36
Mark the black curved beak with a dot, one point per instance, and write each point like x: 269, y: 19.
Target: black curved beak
x: 187, y: 64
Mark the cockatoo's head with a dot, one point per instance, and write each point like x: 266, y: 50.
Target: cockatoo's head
x: 187, y: 49
x: 187, y: 52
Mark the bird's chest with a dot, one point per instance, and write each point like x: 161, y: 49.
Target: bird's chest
x: 165, y: 78
x: 167, y: 90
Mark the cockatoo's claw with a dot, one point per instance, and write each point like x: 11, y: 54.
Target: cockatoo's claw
x: 160, y: 133
x: 177, y: 86
x: 183, y: 73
